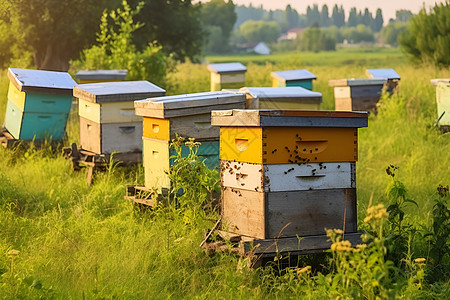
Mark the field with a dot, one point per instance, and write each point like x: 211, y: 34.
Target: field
x: 78, y: 241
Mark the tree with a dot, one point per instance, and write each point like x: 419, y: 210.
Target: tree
x: 403, y: 15
x: 338, y: 16
x: 174, y: 24
x: 391, y: 32
x: 54, y: 31
x: 257, y: 31
x: 378, y: 21
x: 291, y: 17
x: 222, y: 14
x: 324, y: 16
x: 367, y: 17
x: 313, y: 39
x: 352, y: 18
x: 428, y: 37
x: 312, y: 14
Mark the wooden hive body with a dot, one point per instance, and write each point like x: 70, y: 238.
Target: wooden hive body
x: 227, y: 76
x: 302, y: 78
x: 443, y: 100
x: 188, y: 116
x: 38, y: 104
x: 107, y: 118
x: 357, y: 94
x: 281, y: 190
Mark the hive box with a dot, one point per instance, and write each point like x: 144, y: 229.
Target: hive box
x: 443, y: 101
x: 302, y: 78
x: 38, y: 104
x: 357, y: 94
x: 227, y: 76
x: 107, y: 120
x: 188, y: 116
x: 281, y: 98
x: 300, y: 177
x: 392, y: 78
x: 92, y: 76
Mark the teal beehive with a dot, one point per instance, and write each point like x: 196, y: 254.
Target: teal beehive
x: 302, y: 78
x: 39, y: 103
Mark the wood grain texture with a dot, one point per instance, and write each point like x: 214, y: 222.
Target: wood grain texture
x: 156, y: 163
x: 288, y: 214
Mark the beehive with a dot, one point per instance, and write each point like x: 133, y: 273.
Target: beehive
x: 227, y: 76
x: 357, y: 94
x: 281, y: 98
x: 38, y: 104
x: 107, y: 120
x: 188, y: 116
x: 93, y: 76
x: 443, y: 102
x: 299, y: 177
x: 392, y: 78
x: 301, y: 77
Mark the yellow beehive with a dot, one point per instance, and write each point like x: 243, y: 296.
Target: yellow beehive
x: 227, y: 76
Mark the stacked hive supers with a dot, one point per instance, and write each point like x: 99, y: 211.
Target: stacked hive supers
x: 227, y: 76
x: 38, y: 104
x: 107, y: 120
x: 357, y: 94
x: 188, y: 116
x: 288, y: 173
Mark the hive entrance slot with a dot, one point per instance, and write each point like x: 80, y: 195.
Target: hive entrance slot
x: 241, y: 144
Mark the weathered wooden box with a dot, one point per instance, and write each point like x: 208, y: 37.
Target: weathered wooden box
x: 227, y: 76
x: 107, y: 120
x: 357, y: 94
x: 93, y: 76
x: 298, y: 177
x: 301, y: 77
x: 38, y: 104
x: 392, y: 78
x: 157, y: 160
x: 188, y: 115
x: 443, y: 101
x: 281, y: 98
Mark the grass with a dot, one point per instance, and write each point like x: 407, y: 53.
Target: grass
x: 77, y: 241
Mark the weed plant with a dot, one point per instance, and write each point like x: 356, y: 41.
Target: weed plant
x: 60, y: 238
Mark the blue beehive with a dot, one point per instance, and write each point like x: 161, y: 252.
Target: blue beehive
x: 301, y: 77
x: 391, y: 77
x: 39, y: 103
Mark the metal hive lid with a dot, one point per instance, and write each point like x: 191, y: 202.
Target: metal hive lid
x: 40, y: 81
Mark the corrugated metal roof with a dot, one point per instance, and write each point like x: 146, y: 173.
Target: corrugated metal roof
x: 290, y: 75
x: 382, y: 73
x: 235, y: 67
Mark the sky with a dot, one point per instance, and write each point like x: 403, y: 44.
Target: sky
x: 388, y: 7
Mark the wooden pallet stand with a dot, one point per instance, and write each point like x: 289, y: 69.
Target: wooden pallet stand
x: 141, y: 195
x: 7, y: 140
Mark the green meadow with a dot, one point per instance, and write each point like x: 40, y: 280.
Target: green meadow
x: 76, y: 241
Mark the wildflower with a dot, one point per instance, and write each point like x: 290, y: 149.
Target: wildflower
x: 420, y: 260
x: 306, y: 269
x: 13, y: 253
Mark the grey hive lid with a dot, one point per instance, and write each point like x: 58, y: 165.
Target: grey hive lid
x: 227, y: 68
x: 117, y: 91
x: 439, y: 80
x: 357, y: 82
x: 188, y: 104
x: 101, y: 74
x: 289, y: 118
x: 290, y: 93
x: 39, y: 81
x: 292, y: 75
x: 382, y: 73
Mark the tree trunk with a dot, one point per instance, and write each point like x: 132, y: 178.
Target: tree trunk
x: 52, y: 58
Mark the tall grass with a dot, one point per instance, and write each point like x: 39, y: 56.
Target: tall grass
x: 78, y: 241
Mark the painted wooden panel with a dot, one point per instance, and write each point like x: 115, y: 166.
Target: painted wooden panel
x: 110, y: 137
x: 197, y: 126
x: 293, y: 75
x: 356, y: 104
x: 112, y: 112
x: 284, y: 145
x: 157, y: 159
x: 37, y: 103
x: 289, y: 213
x: 217, y: 86
x: 307, y: 84
x: 156, y: 162
x: 288, y: 118
x: 37, y: 126
x: 286, y: 105
x: 228, y: 78
x: 287, y: 177
x: 443, y: 102
x: 39, y: 81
